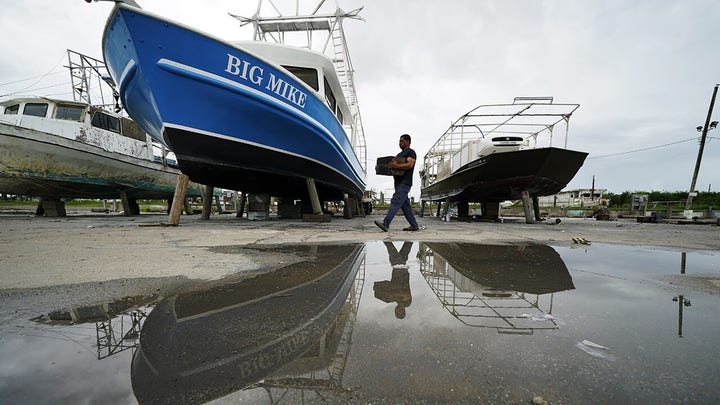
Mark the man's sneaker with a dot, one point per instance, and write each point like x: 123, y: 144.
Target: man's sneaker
x: 381, y: 225
x: 411, y: 228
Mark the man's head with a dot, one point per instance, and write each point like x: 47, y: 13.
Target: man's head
x: 404, y: 141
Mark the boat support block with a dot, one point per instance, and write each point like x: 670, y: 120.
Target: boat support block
x: 207, y: 202
x: 528, y: 207
x: 314, y: 199
x: 127, y: 211
x: 178, y: 200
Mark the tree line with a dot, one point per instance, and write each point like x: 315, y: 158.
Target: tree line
x: 701, y: 201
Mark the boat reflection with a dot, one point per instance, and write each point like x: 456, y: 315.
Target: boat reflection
x: 297, y: 320
x: 509, y: 288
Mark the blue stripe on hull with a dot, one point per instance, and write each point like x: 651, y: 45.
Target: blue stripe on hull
x: 170, y: 74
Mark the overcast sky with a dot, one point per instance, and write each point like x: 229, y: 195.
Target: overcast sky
x: 643, y: 72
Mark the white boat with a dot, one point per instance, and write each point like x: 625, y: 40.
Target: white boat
x: 494, y: 153
x: 56, y: 149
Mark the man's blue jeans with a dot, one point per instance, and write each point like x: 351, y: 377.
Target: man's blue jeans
x: 400, y: 201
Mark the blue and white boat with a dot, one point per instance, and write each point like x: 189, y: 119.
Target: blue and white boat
x: 255, y: 116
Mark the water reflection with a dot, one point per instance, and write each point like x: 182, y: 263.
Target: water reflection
x: 117, y: 323
x: 397, y: 289
x: 681, y: 299
x: 683, y: 261
x: 115, y: 335
x: 202, y: 345
x: 682, y: 302
x: 305, y: 333
x: 509, y: 288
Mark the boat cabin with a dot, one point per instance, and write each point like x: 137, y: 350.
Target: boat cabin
x: 79, y: 122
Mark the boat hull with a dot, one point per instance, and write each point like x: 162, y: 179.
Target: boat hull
x: 229, y: 123
x: 504, y: 176
x: 37, y: 163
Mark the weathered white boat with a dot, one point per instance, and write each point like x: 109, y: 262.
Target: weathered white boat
x: 57, y: 149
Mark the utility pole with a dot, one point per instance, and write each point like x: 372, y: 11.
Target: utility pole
x: 705, y: 128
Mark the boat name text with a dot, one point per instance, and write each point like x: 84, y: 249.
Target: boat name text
x: 255, y: 75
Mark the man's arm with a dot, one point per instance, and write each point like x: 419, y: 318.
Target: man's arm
x: 409, y: 164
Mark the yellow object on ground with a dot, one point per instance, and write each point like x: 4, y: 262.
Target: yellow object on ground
x: 580, y: 240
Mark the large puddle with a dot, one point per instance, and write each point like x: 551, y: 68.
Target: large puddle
x: 396, y: 322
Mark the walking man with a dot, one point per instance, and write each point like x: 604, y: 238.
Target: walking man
x: 403, y: 183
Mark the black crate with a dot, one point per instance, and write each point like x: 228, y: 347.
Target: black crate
x: 381, y: 167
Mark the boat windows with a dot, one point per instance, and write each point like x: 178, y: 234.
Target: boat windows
x: 329, y: 96
x: 104, y: 121
x: 339, y: 116
x: 69, y: 112
x: 307, y: 75
x: 12, y: 110
x: 35, y: 109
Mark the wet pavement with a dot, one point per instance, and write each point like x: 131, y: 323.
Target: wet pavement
x: 390, y: 321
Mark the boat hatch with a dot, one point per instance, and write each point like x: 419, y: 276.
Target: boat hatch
x: 507, y: 140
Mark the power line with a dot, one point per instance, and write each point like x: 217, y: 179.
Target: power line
x: 50, y: 86
x: 32, y: 78
x: 37, y: 81
x: 643, y: 149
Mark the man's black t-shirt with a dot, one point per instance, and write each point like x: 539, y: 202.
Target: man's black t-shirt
x: 407, y: 177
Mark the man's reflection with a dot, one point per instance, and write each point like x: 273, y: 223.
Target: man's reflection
x: 397, y: 289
